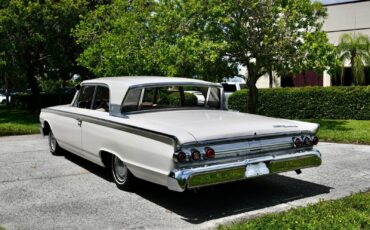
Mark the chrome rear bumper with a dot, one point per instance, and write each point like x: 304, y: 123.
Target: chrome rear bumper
x: 180, y: 180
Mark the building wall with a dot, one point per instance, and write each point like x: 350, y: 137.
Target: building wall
x: 351, y: 17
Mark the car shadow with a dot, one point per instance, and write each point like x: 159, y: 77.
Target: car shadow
x: 198, y: 206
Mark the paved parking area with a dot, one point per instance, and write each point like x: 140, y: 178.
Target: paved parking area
x: 41, y: 191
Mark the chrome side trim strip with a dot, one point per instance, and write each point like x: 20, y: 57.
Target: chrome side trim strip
x: 165, y: 138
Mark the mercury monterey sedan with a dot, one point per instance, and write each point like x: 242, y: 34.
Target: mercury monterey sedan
x: 156, y: 129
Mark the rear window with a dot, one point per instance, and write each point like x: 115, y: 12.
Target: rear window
x: 172, y: 97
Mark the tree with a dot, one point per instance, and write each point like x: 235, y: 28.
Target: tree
x: 316, y: 53
x: 355, y: 49
x: 204, y: 39
x: 271, y: 35
x: 117, y: 39
x: 36, y: 41
x: 150, y: 38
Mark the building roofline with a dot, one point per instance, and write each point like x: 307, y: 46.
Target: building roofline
x: 345, y: 3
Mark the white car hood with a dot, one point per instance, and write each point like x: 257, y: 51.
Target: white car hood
x: 205, y: 125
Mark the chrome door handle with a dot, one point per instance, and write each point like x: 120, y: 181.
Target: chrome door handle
x: 79, y: 122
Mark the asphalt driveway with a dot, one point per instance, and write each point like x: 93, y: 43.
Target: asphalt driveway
x: 41, y: 191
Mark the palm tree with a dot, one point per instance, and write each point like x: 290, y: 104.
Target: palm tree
x: 356, y: 49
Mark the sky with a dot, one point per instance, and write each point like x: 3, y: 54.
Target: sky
x: 334, y: 1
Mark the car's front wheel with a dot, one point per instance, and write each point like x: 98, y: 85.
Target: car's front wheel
x: 121, y: 175
x: 53, y: 145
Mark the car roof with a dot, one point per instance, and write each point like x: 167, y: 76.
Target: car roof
x: 119, y: 85
x: 140, y: 80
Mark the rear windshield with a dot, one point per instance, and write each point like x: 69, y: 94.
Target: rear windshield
x: 172, y: 97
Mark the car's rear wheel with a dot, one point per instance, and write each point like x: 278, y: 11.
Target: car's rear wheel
x: 53, y: 144
x: 121, y: 175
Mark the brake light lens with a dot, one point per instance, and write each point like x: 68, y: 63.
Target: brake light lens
x: 181, y: 157
x: 209, y: 153
x: 195, y: 155
x: 297, y: 143
x: 307, y: 141
x: 315, y: 140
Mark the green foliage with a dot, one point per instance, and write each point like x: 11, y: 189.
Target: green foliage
x: 175, y: 100
x: 204, y: 39
x: 309, y: 102
x: 117, y: 39
x: 151, y: 38
x: 35, y: 39
x: 316, y: 53
x: 17, y: 122
x: 352, y: 212
x: 356, y: 49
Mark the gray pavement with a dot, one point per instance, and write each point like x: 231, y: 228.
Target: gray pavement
x: 41, y: 191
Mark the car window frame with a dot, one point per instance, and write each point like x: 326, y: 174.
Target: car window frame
x: 143, y: 87
x: 74, y: 104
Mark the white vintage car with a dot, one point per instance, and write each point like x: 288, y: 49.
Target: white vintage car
x: 150, y: 128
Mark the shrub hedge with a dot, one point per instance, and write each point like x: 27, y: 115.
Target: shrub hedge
x: 309, y: 102
x: 26, y: 101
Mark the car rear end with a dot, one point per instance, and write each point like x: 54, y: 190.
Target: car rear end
x: 232, y: 159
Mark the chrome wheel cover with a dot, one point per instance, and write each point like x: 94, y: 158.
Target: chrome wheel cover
x: 52, y: 142
x: 120, y: 170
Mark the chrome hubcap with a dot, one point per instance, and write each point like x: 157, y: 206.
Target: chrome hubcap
x: 53, y: 142
x: 120, y: 170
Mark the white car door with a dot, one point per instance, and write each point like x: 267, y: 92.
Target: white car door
x: 93, y: 134
x: 70, y: 126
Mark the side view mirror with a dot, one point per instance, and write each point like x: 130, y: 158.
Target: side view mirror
x: 78, y: 87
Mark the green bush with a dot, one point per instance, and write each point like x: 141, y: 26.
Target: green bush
x: 27, y: 101
x: 309, y: 102
x: 175, y: 100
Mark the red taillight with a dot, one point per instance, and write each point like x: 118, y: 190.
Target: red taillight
x: 297, y: 142
x: 181, y: 157
x: 195, y: 155
x: 307, y: 141
x: 315, y: 140
x: 209, y: 153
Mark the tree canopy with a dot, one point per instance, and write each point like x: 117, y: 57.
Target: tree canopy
x: 36, y: 41
x: 189, y: 38
x: 153, y: 38
x: 205, y: 39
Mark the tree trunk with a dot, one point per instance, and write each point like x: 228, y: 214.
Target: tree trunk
x: 32, y: 81
x: 7, y: 93
x: 252, y: 95
x: 270, y: 78
x: 353, y: 67
x: 304, y: 78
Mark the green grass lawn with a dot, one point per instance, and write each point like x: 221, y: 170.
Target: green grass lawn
x: 344, y: 131
x: 352, y: 212
x: 17, y: 122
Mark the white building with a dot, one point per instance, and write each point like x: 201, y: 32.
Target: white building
x: 344, y: 16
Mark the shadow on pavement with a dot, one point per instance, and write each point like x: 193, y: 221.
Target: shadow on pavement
x: 219, y: 201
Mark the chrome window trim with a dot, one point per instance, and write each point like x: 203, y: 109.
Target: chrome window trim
x: 96, y: 86
x: 152, y: 85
